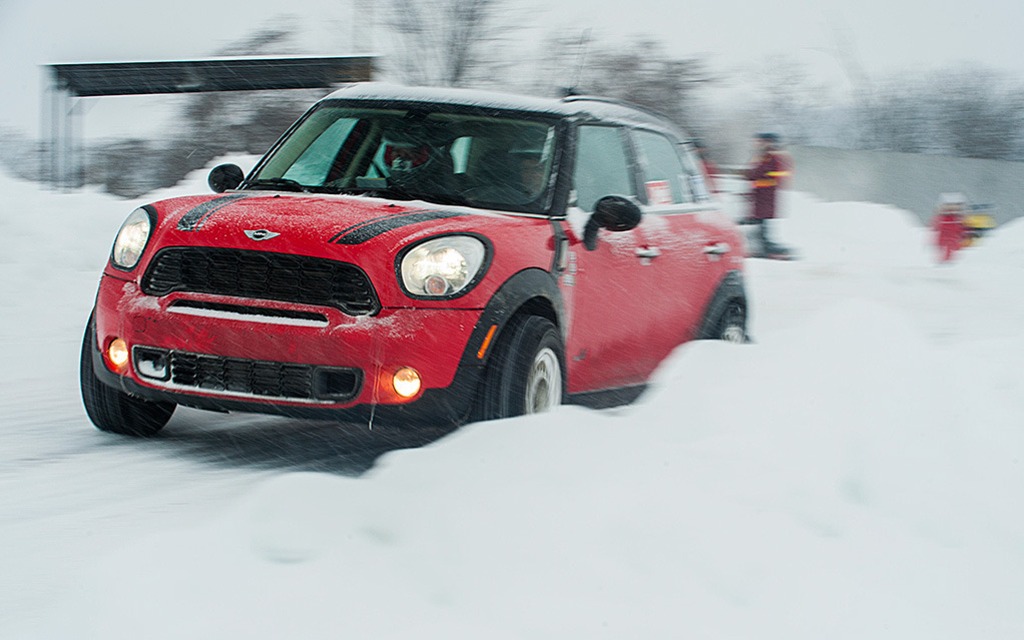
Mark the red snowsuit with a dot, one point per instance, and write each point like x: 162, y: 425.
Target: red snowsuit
x: 949, y: 233
x: 771, y: 170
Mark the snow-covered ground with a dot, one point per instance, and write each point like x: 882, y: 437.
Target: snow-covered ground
x: 856, y: 472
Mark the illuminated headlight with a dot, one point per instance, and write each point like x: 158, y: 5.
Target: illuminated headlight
x: 443, y: 266
x: 131, y: 239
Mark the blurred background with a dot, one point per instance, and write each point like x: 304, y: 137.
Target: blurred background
x: 875, y: 101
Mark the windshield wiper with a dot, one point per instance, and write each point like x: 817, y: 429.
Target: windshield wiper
x: 278, y: 183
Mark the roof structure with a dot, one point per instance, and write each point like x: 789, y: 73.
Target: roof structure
x: 251, y: 73
x: 91, y: 79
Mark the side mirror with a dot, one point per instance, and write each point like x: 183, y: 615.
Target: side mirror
x: 224, y: 177
x: 614, y: 213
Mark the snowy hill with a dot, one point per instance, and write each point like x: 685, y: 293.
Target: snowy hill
x: 856, y: 472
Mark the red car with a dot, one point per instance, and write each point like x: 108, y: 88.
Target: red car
x: 424, y: 254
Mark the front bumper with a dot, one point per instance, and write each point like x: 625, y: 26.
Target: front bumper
x: 229, y: 343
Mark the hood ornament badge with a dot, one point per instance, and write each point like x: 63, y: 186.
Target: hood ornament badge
x: 260, y: 234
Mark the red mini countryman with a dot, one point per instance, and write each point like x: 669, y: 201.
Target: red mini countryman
x: 424, y: 254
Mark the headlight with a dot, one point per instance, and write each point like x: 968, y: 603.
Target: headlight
x: 442, y: 267
x: 131, y: 239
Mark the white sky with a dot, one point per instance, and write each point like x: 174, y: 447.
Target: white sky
x: 887, y: 36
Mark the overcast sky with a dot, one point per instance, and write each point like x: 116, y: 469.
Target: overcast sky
x: 882, y: 36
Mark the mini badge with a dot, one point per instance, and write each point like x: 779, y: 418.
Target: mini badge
x: 260, y: 234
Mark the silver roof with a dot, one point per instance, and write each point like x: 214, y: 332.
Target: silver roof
x: 575, y: 106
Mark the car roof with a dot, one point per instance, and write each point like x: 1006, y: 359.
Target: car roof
x: 576, y: 106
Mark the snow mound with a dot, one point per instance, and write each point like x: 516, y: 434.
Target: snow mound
x: 852, y: 232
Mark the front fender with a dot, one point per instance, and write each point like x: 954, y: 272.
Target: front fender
x: 534, y: 290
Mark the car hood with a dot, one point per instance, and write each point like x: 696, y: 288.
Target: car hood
x: 280, y: 222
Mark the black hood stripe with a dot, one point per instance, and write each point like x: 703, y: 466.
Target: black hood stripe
x: 410, y: 212
x: 360, y: 233
x: 194, y: 219
x: 338, y: 235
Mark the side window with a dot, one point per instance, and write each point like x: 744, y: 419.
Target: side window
x: 602, y: 166
x: 665, y: 179
x: 694, y: 175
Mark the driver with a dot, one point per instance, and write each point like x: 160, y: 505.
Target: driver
x: 414, y: 164
x: 531, y: 171
x: 405, y: 157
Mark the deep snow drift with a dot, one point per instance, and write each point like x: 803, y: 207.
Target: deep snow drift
x: 856, y: 472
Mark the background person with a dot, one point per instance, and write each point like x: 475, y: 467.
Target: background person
x: 769, y: 170
x: 948, y: 224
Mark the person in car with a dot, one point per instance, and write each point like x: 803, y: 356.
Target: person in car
x: 769, y: 169
x: 417, y: 161
x: 531, y: 170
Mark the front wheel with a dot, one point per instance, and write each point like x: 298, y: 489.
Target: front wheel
x: 525, y: 372
x: 115, y: 411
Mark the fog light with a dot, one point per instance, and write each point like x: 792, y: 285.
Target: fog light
x: 152, y: 363
x: 406, y: 382
x: 117, y: 353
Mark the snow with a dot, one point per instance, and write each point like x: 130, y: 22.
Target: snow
x: 855, y: 472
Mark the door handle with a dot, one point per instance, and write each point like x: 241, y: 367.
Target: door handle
x: 717, y: 249
x: 649, y: 253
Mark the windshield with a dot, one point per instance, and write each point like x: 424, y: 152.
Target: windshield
x: 495, y: 161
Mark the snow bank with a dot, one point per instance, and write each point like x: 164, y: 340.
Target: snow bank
x: 854, y: 473
x: 828, y: 482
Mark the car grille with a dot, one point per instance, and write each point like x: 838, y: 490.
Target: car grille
x: 240, y: 376
x: 258, y: 274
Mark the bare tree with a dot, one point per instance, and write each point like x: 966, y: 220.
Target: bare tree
x: 792, y: 98
x: 982, y: 115
x: 972, y: 113
x: 899, y: 115
x: 450, y: 42
x: 643, y: 73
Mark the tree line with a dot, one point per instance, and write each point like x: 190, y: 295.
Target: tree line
x: 967, y: 112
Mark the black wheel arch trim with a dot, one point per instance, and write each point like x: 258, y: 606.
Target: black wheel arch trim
x: 532, y: 286
x: 730, y: 288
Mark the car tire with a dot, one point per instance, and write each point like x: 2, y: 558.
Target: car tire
x: 526, y: 371
x: 115, y: 411
x: 732, y: 325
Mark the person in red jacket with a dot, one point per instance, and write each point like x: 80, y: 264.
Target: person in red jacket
x: 769, y: 170
x: 948, y: 225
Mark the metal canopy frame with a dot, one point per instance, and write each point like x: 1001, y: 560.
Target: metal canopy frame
x: 70, y: 82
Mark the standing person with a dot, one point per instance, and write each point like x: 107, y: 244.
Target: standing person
x: 948, y: 224
x: 769, y: 170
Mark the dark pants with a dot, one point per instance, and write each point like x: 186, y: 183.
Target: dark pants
x: 765, y: 244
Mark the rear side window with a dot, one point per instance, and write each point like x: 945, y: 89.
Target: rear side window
x: 602, y: 165
x: 665, y: 179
